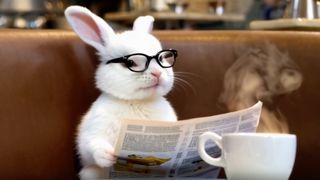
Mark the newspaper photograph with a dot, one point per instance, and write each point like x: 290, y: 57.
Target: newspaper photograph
x: 148, y: 148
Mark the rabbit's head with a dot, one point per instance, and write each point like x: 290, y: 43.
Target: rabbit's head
x: 116, y: 74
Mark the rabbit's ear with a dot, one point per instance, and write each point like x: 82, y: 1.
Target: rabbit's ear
x: 91, y: 29
x: 143, y: 24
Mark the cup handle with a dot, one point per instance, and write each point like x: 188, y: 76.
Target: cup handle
x: 203, y: 154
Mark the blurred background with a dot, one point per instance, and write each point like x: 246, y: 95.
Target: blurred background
x: 169, y: 14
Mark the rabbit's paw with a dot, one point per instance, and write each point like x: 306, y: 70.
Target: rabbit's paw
x: 104, y: 157
x: 92, y: 172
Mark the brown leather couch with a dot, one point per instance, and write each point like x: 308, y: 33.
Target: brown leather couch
x: 46, y: 85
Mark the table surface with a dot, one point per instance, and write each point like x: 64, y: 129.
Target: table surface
x: 288, y: 24
x: 187, y: 16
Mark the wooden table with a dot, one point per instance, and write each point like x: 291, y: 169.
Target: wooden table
x: 287, y: 24
x: 171, y: 17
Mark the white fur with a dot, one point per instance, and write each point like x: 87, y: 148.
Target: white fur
x: 143, y: 24
x: 125, y: 94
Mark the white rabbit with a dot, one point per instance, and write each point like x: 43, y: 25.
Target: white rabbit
x: 125, y: 94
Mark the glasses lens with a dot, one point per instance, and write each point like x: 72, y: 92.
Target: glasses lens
x: 136, y: 62
x: 167, y: 58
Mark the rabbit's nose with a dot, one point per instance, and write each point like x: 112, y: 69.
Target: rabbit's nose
x: 156, y: 74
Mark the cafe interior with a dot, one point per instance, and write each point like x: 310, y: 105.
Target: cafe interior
x: 231, y: 54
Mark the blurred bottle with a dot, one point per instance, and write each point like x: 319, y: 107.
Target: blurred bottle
x: 138, y: 5
x: 301, y: 9
x: 177, y: 6
x: 217, y: 6
x: 158, y: 5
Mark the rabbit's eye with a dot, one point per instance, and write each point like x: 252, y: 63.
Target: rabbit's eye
x: 131, y: 63
x: 123, y: 65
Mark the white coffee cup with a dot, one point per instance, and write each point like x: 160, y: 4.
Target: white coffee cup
x: 252, y: 155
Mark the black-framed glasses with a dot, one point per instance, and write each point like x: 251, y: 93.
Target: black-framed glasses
x: 139, y: 62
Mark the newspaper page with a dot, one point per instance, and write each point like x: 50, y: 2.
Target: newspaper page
x: 169, y: 149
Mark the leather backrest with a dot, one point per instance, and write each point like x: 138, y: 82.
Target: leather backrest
x: 46, y: 86
x: 207, y: 56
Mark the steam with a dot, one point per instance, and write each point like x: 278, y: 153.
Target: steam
x: 261, y: 73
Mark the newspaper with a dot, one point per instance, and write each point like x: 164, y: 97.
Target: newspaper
x: 169, y: 149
